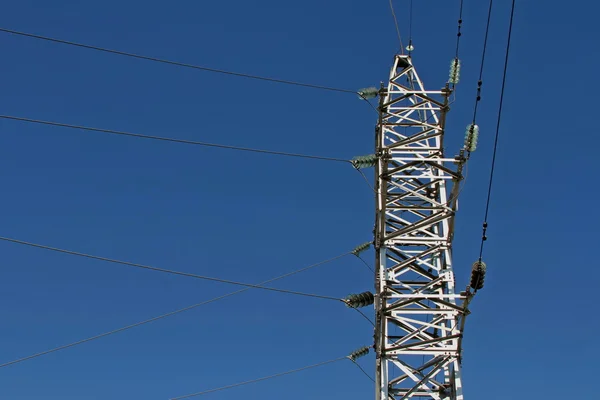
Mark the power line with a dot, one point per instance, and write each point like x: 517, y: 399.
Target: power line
x: 167, y: 139
x: 483, y: 52
x: 366, y: 264
x: 460, y: 21
x: 365, y: 316
x: 167, y: 271
x: 261, y: 379
x: 410, y: 24
x: 366, y: 179
x: 363, y: 371
x: 492, y: 168
x: 397, y: 27
x: 454, y: 69
x: 181, y: 310
x: 183, y: 141
x: 176, y: 63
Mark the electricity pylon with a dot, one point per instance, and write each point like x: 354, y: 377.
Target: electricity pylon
x: 418, y: 313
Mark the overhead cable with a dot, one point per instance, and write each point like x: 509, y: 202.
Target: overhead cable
x: 167, y: 139
x: 455, y: 66
x: 169, y: 314
x: 397, y: 27
x: 176, y: 63
x: 493, y: 164
x: 168, y: 271
x: 473, y: 129
x: 363, y: 371
x: 352, y: 357
x: 365, y: 316
x: 366, y: 264
x: 460, y: 21
x: 410, y: 24
x: 259, y: 379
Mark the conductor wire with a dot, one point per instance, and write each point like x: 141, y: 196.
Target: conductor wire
x: 181, y: 310
x: 363, y: 371
x: 260, y: 379
x: 167, y: 271
x: 483, y: 53
x: 167, y: 139
x: 397, y: 27
x: 176, y: 63
x: 497, y: 134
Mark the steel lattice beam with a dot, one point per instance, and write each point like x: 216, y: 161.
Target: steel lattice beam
x: 418, y: 312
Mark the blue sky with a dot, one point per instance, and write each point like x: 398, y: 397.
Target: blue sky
x: 251, y: 217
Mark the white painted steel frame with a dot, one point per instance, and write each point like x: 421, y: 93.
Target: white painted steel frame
x: 417, y: 333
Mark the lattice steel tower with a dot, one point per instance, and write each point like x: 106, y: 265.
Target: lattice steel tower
x: 418, y: 313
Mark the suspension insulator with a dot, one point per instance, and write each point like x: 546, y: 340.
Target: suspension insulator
x: 454, y: 71
x: 360, y: 300
x: 360, y: 162
x: 363, y: 351
x: 471, y: 137
x: 360, y: 248
x: 368, y: 93
x: 478, y: 275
